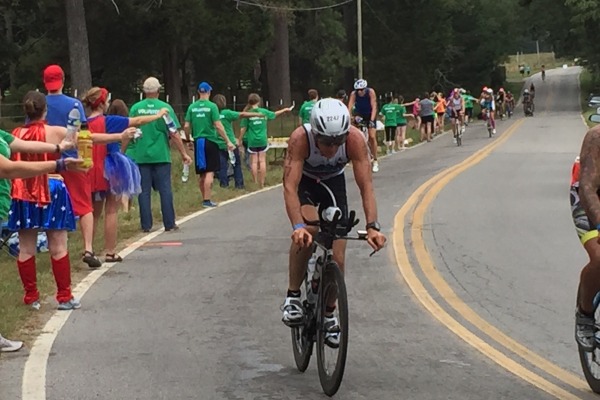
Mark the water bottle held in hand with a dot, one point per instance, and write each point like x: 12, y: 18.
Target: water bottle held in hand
x: 170, y: 123
x: 73, y: 123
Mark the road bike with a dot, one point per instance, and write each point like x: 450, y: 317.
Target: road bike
x: 590, y: 360
x: 488, y: 122
x: 324, y: 290
x: 458, y: 128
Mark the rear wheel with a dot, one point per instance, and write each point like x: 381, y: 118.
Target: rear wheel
x: 332, y: 359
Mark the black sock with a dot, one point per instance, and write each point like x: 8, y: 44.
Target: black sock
x: 293, y: 293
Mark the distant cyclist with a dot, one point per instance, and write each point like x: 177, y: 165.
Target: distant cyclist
x: 363, y: 102
x: 543, y: 72
x: 316, y: 157
x: 488, y: 105
x: 510, y: 103
x: 456, y: 105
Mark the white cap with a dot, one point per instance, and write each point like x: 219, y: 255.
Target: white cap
x: 151, y: 85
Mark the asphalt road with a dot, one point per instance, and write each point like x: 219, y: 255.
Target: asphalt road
x: 195, y: 314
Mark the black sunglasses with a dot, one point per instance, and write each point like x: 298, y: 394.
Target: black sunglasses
x: 332, y: 140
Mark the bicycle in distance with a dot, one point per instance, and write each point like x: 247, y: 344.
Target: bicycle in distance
x: 324, y: 297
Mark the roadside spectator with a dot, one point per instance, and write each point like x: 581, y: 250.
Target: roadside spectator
x: 203, y: 124
x: 306, y: 108
x: 256, y: 130
x: 113, y: 174
x: 427, y: 117
x: 42, y: 202
x: 227, y: 117
x: 78, y: 184
x: 152, y: 154
x: 342, y: 96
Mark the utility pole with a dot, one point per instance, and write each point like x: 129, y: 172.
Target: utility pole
x: 359, y: 36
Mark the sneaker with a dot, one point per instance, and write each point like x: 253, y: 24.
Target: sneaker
x: 72, y: 304
x: 332, y: 332
x: 293, y: 312
x: 36, y: 305
x: 584, y: 331
x: 208, y: 203
x: 375, y: 166
x: 91, y: 260
x: 8, y: 346
x: 185, y: 175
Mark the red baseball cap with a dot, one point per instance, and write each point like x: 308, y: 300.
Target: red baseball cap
x: 53, y: 77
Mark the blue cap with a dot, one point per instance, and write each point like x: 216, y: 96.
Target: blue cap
x: 204, y: 87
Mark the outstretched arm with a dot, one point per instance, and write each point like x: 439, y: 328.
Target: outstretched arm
x: 146, y: 119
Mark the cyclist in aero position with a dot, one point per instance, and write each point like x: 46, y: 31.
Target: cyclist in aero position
x: 585, y: 209
x: 314, y: 173
x: 363, y: 102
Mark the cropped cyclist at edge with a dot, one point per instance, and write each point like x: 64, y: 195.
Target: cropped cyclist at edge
x: 585, y: 209
x: 363, y: 102
x: 314, y: 172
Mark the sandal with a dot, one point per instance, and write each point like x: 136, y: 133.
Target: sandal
x: 112, y: 258
x: 91, y: 260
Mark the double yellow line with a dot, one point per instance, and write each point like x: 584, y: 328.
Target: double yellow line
x: 422, y: 198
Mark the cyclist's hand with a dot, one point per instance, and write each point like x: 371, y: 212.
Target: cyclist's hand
x: 302, y: 237
x: 376, y: 239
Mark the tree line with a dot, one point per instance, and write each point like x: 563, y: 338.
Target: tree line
x: 280, y: 48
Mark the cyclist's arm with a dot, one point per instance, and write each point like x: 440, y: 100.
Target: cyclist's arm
x: 589, y: 181
x: 373, y: 105
x: 361, y: 167
x: 351, y: 102
x: 292, y: 173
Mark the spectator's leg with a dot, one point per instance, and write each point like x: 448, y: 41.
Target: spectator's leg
x: 26, y: 264
x: 238, y: 176
x: 223, y: 176
x: 61, y: 266
x: 162, y: 181
x: 144, y: 199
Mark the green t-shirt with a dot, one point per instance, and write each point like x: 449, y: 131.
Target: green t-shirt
x: 153, y: 146
x: 5, y: 140
x: 390, y: 112
x: 305, y: 111
x: 256, y: 128
x: 468, y: 100
x: 202, y: 116
x: 227, y: 117
x: 400, y: 118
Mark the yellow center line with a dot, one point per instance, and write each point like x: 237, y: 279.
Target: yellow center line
x: 431, y: 188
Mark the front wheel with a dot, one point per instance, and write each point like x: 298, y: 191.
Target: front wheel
x: 331, y: 358
x: 303, y: 336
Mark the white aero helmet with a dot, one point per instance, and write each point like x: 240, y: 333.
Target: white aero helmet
x: 330, y: 117
x: 360, y: 84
